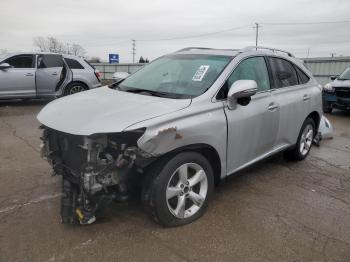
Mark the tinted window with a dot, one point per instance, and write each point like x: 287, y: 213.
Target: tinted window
x: 73, y: 64
x: 252, y: 69
x: 283, y: 72
x: 303, y: 78
x: 46, y: 61
x: 21, y: 61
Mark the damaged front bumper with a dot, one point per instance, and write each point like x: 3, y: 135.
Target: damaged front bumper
x: 94, y: 168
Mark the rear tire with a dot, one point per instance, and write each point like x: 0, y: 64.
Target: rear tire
x: 304, y: 142
x: 74, y: 88
x: 176, y: 191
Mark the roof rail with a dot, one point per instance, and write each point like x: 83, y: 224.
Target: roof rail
x: 191, y: 48
x: 249, y: 48
x: 204, y: 48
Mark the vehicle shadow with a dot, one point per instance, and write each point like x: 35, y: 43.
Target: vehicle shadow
x: 339, y: 113
x: 134, y: 210
x: 23, y: 103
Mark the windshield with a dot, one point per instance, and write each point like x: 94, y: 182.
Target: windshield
x: 345, y: 75
x: 2, y: 56
x: 177, y: 76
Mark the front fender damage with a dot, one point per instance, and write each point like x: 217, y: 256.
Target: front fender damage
x: 160, y: 141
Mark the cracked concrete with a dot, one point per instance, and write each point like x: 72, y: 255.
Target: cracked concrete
x: 274, y: 211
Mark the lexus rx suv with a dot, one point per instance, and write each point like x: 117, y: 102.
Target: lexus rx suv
x: 176, y: 127
x: 45, y: 75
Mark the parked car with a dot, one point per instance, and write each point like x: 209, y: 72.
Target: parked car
x: 44, y: 75
x: 336, y: 94
x: 178, y: 126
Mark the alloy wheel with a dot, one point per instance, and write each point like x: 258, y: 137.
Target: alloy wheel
x: 76, y: 89
x: 187, y: 190
x: 306, y: 139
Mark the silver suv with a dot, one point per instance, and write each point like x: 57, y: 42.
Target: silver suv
x: 44, y: 75
x: 177, y: 127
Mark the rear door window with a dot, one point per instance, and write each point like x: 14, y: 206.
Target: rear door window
x: 21, y: 61
x: 73, y: 64
x: 48, y: 61
x: 303, y: 78
x: 283, y: 72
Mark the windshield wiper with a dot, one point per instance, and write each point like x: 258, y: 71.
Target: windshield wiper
x: 154, y: 93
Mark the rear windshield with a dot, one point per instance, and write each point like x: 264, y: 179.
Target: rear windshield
x: 181, y: 75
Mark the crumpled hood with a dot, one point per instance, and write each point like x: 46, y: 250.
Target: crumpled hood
x: 105, y: 110
x: 341, y: 83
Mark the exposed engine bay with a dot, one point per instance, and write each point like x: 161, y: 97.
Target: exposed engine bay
x: 94, y: 168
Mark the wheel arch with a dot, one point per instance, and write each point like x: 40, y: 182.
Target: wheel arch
x: 316, y: 117
x: 78, y: 82
x: 209, y: 152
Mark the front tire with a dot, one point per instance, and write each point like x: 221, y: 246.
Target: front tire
x: 179, y: 190
x: 304, y: 142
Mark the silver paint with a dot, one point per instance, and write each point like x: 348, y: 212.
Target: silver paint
x: 242, y: 136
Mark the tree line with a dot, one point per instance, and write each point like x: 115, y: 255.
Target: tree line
x: 53, y: 45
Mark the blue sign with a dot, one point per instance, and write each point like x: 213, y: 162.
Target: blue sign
x: 114, y: 58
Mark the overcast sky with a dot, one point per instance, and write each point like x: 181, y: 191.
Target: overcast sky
x: 103, y: 27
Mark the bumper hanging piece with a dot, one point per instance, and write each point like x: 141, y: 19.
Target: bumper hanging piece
x: 85, y: 217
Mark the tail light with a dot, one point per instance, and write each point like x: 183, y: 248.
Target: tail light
x: 97, y: 74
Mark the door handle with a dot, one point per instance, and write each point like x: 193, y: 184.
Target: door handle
x: 29, y: 74
x: 272, y: 107
x: 306, y: 97
x: 54, y: 74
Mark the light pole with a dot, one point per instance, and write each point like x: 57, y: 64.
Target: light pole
x: 133, y: 51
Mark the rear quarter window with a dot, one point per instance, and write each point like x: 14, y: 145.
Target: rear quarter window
x: 73, y: 64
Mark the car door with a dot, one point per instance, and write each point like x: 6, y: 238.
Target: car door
x: 19, y: 80
x: 291, y: 93
x: 48, y: 74
x: 252, y: 129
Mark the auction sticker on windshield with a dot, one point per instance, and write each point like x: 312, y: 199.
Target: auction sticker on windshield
x: 199, y: 75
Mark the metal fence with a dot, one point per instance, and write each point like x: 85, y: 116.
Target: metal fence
x: 107, y: 70
x: 322, y: 68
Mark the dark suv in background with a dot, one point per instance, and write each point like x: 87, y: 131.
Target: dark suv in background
x: 336, y: 94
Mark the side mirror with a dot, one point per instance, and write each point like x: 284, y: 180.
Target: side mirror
x: 241, y: 92
x: 5, y: 66
x: 118, y: 76
x: 333, y: 78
